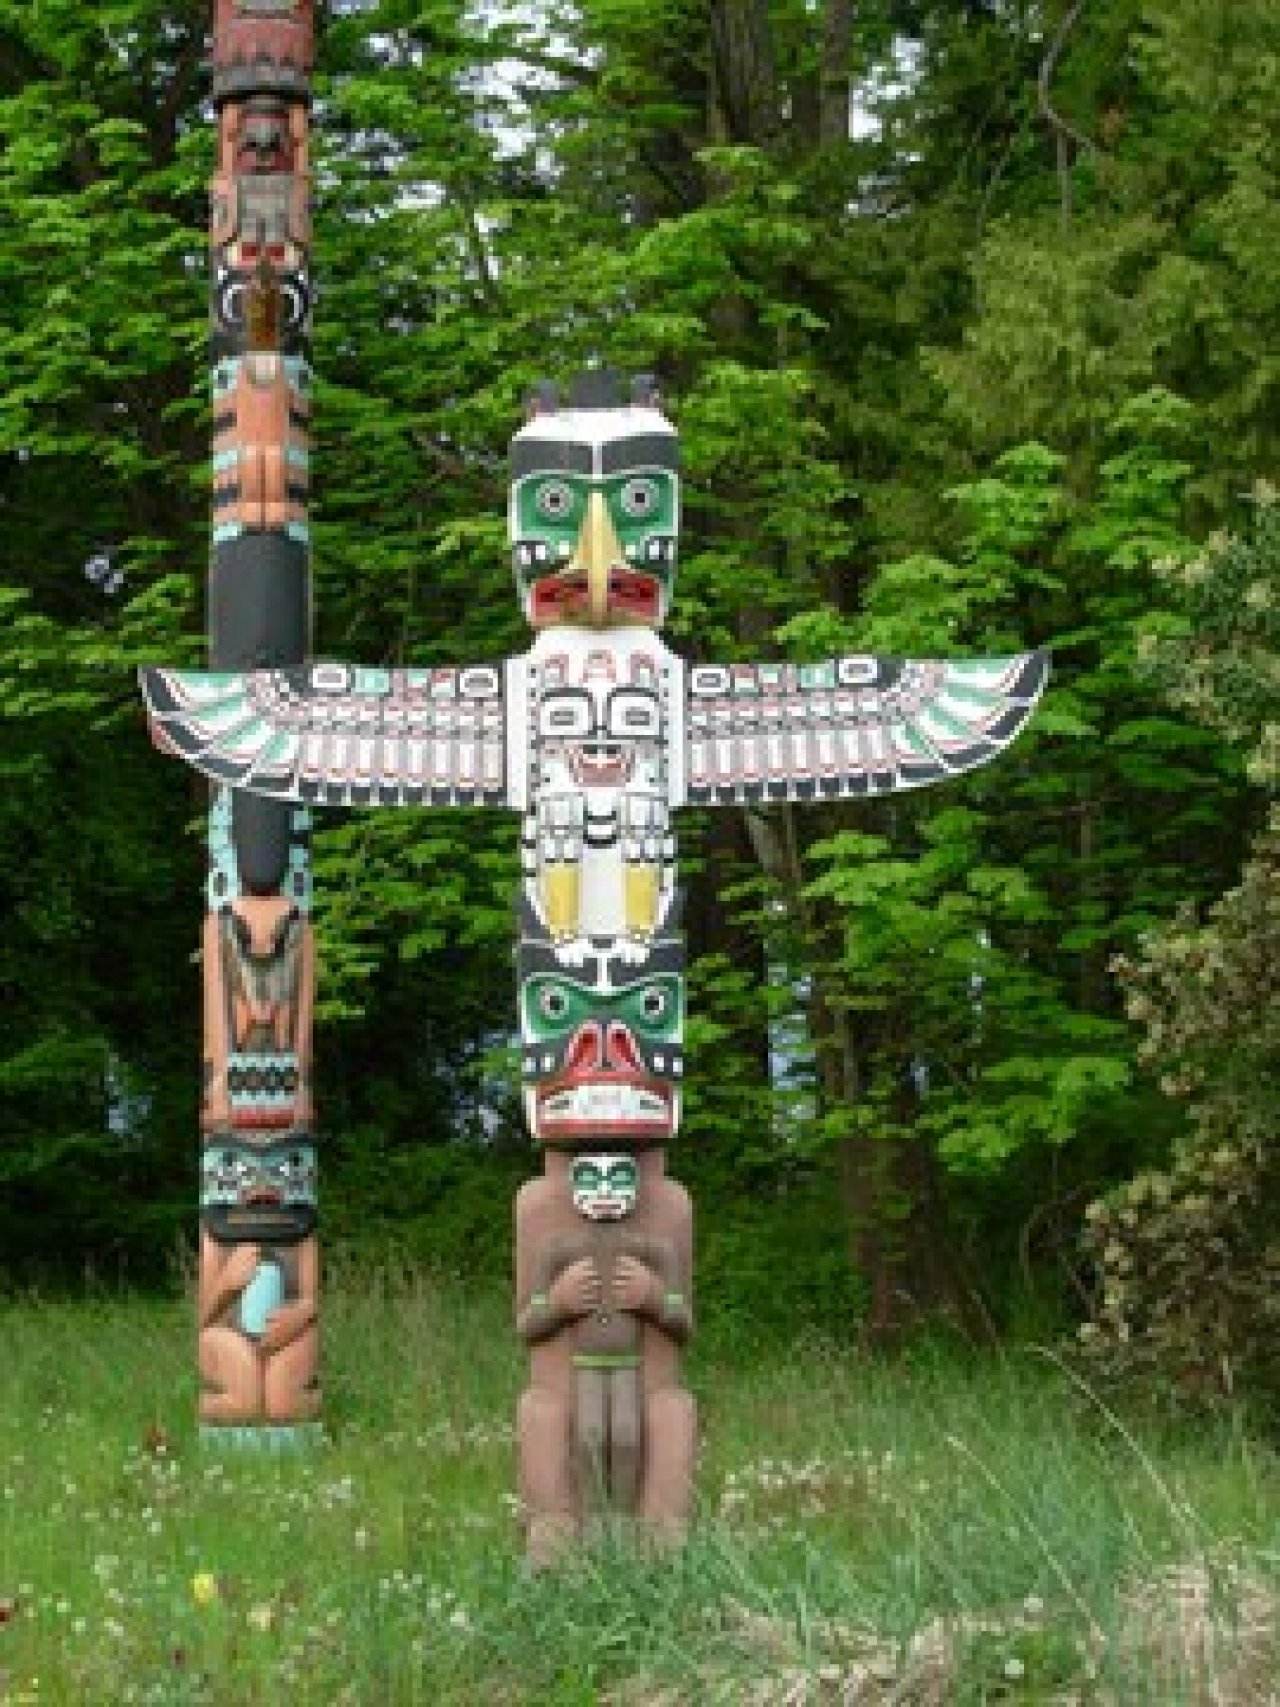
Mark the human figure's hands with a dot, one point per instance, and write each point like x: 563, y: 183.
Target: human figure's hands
x: 576, y: 1290
x: 241, y: 1266
x: 635, y: 1285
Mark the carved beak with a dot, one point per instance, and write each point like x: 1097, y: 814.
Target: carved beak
x: 598, y: 549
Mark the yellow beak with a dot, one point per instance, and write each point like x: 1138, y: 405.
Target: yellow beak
x: 597, y: 550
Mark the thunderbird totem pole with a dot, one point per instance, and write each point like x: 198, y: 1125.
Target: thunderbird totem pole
x: 594, y: 735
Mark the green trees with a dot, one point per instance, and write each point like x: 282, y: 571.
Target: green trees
x: 1188, y: 1253
x: 951, y: 382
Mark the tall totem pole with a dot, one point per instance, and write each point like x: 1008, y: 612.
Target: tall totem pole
x: 259, y: 1268
x: 594, y: 736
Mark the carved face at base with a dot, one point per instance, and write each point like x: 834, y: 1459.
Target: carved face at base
x: 595, y: 509
x: 603, y: 1041
x: 604, y: 1186
x: 260, y: 1192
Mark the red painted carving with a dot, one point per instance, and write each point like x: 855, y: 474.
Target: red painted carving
x: 261, y: 45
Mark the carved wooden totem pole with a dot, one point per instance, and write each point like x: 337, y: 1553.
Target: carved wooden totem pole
x: 258, y: 1259
x: 594, y: 735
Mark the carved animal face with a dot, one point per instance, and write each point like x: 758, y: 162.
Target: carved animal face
x: 603, y: 1055
x: 264, y: 1192
x: 595, y: 515
x: 604, y: 1186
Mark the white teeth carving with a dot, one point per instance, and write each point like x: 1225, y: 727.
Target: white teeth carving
x: 621, y: 1104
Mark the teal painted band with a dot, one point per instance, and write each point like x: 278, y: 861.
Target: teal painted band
x: 606, y: 1360
x: 265, y: 1437
x: 540, y: 1299
x: 673, y: 1298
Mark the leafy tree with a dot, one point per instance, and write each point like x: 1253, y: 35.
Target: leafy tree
x: 1187, y: 1252
x: 1148, y: 264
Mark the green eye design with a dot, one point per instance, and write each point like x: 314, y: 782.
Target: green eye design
x: 652, y: 1010
x: 639, y: 498
x: 554, y: 500
x: 553, y: 1009
x: 622, y: 1176
x: 586, y: 1176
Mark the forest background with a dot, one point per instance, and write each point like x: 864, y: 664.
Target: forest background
x: 967, y: 314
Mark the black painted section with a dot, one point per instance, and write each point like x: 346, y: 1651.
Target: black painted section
x: 595, y: 388
x: 640, y: 450
x: 259, y: 616
x: 549, y: 456
x: 261, y: 831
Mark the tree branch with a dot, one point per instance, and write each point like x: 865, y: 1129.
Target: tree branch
x: 1063, y: 130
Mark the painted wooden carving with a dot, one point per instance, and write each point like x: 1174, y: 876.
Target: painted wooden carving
x: 595, y: 736
x: 259, y: 1263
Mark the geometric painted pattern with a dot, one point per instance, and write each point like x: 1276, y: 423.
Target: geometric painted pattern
x: 851, y: 727
x: 339, y: 734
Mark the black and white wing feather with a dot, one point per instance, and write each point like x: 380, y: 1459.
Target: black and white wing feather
x: 340, y: 735
x: 849, y: 727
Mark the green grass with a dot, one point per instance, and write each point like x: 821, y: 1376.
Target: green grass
x: 945, y: 1530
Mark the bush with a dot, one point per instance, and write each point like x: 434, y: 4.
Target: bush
x: 1189, y: 1257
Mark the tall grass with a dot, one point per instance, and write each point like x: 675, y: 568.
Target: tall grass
x: 945, y: 1530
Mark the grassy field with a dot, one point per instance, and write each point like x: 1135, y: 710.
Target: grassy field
x: 942, y: 1531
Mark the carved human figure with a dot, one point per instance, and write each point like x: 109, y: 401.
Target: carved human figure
x: 604, y: 1265
x: 260, y: 988
x: 259, y: 1284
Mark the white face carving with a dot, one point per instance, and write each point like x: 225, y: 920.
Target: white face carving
x: 604, y: 1186
x: 601, y: 720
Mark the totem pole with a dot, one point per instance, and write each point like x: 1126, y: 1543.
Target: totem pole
x: 594, y: 735
x: 259, y: 1265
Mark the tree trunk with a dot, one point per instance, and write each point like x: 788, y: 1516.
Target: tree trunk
x: 890, y: 1184
x: 834, y: 81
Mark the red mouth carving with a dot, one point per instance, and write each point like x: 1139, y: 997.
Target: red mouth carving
x: 263, y: 1198
x: 261, y: 1119
x: 632, y: 597
x: 605, y: 1058
x: 606, y: 765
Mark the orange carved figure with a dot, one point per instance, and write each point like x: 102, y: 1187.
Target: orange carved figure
x: 604, y: 1266
x: 258, y: 1340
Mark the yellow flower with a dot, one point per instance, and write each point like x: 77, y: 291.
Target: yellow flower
x: 204, y: 1588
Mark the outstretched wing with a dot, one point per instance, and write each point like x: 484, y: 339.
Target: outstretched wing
x: 854, y: 726
x: 338, y: 734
